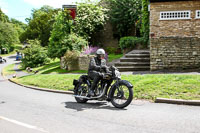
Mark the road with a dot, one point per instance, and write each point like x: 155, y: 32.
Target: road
x: 23, y: 110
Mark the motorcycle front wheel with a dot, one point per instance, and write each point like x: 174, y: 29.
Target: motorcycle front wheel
x: 123, y: 94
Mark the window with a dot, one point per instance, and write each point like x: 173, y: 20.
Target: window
x: 197, y: 13
x: 173, y: 15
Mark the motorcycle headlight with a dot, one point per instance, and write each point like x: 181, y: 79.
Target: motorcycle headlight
x: 117, y: 74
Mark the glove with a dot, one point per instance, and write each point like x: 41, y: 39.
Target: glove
x: 105, y: 68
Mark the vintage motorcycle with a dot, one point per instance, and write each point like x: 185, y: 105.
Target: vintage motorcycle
x: 119, y: 93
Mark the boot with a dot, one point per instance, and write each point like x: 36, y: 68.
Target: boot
x: 95, y: 81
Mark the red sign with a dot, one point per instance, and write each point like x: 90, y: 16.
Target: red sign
x: 73, y: 12
x: 72, y: 9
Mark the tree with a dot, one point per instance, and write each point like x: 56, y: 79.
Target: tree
x: 8, y: 36
x: 124, y: 14
x: 40, y: 25
x: 90, y: 19
x: 3, y: 17
x: 34, y: 55
x: 19, y: 26
x: 62, y: 38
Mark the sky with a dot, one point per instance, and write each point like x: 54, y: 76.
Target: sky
x: 21, y: 9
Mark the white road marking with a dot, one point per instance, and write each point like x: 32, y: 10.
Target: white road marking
x: 23, y: 124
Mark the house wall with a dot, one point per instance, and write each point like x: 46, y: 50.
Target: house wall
x: 174, y: 44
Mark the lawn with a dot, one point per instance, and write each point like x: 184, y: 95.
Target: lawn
x: 145, y: 86
x: 8, y: 70
x: 112, y: 57
x: 54, y: 68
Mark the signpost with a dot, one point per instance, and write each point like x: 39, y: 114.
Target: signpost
x: 72, y: 9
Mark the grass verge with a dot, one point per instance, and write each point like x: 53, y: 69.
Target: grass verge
x: 145, y: 86
x: 54, y: 68
x: 112, y: 57
x: 8, y: 70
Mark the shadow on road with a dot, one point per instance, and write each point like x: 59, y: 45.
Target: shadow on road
x: 12, y: 57
x: 94, y: 105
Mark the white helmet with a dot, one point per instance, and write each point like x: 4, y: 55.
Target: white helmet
x: 100, y: 51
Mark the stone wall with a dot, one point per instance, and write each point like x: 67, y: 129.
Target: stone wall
x: 82, y: 63
x: 174, y: 44
x: 175, y: 53
x: 168, y: 28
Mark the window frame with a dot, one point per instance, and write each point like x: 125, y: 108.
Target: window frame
x: 197, y: 13
x: 179, y: 15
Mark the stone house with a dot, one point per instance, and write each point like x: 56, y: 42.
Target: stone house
x: 174, y: 34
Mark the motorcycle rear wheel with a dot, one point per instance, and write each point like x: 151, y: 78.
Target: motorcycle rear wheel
x: 123, y: 95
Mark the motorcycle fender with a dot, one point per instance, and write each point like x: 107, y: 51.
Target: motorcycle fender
x: 111, y: 92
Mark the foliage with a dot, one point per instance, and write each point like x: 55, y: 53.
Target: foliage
x: 19, y: 26
x: 73, y: 42
x: 3, y: 17
x: 111, y: 50
x: 34, y: 55
x: 61, y: 40
x: 8, y: 36
x: 145, y: 20
x: 60, y: 33
x: 124, y: 14
x: 40, y: 25
x: 90, y: 50
x: 71, y: 57
x: 130, y: 42
x: 90, y: 19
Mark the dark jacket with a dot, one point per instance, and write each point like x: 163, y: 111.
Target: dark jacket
x: 95, y: 64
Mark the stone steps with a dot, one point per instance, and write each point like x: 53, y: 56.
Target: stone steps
x: 132, y: 64
x: 137, y: 55
x: 133, y: 68
x: 136, y: 60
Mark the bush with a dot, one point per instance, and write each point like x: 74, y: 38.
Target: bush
x: 74, y: 42
x: 35, y: 55
x: 130, y: 42
x: 111, y: 50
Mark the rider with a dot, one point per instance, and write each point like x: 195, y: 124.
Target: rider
x: 97, y: 64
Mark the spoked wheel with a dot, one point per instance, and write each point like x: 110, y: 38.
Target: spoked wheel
x: 82, y: 90
x: 123, y: 95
